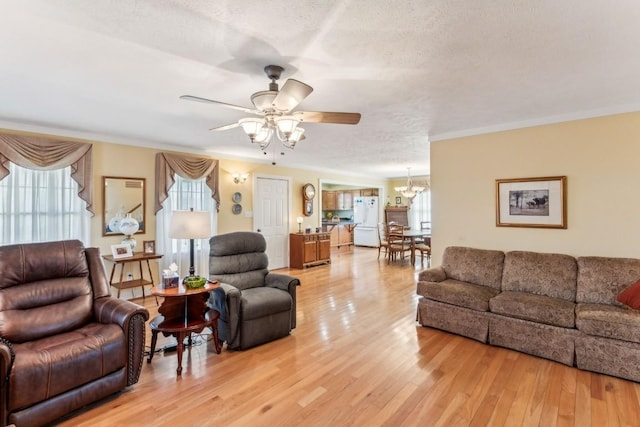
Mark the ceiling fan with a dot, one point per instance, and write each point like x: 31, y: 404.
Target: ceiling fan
x: 275, y: 110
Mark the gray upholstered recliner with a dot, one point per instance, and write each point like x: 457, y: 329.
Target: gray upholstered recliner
x: 255, y: 306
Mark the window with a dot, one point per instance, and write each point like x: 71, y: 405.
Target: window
x: 38, y: 206
x: 420, y: 209
x: 184, y: 195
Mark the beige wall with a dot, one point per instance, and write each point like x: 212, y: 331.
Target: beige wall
x: 121, y: 161
x: 599, y: 157
x: 137, y: 162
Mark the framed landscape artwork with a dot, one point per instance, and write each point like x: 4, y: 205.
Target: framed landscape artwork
x: 532, y: 202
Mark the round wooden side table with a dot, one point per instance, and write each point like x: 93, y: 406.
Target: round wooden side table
x: 182, y: 312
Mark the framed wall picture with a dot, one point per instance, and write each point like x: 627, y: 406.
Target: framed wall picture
x: 532, y: 202
x: 121, y: 251
x: 398, y: 200
x: 149, y: 246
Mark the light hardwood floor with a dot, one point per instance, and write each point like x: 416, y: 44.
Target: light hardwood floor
x: 358, y: 358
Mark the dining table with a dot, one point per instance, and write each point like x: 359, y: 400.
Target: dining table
x: 413, y: 235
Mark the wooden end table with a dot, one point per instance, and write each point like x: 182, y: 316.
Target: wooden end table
x: 182, y: 312
x: 138, y: 257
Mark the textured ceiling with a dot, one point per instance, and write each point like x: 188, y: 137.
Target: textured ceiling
x: 417, y: 71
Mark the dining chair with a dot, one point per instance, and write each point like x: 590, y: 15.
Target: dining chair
x: 398, y: 244
x: 383, y: 242
x: 425, y: 250
x: 425, y: 226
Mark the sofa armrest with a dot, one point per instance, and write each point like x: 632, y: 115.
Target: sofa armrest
x: 7, y: 357
x: 281, y: 281
x: 225, y: 299
x: 435, y: 274
x: 286, y: 283
x: 131, y: 318
x: 118, y: 311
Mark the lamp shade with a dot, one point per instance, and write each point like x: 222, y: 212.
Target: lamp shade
x: 252, y: 126
x: 287, y: 124
x: 190, y: 225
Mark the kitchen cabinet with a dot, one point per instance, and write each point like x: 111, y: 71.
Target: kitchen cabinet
x: 342, y: 236
x: 307, y: 249
x: 345, y: 237
x: 345, y: 200
x: 369, y: 192
x: 329, y: 200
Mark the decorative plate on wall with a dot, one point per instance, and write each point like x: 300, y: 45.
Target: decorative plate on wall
x: 237, y: 197
x: 236, y: 209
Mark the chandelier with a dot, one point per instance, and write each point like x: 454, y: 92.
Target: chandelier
x: 261, y: 131
x: 409, y: 191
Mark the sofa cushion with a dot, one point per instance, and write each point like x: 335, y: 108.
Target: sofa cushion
x: 477, y: 266
x: 630, y: 296
x: 51, y: 366
x: 601, y: 279
x: 536, y: 308
x: 459, y: 293
x: 609, y: 321
x: 40, y: 309
x: 552, y: 275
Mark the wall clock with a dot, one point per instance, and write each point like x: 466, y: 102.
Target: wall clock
x: 308, y: 193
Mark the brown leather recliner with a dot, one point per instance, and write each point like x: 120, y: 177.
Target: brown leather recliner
x: 64, y: 341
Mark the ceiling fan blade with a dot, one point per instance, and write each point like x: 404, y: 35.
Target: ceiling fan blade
x: 328, y: 117
x: 291, y: 94
x: 226, y: 127
x: 224, y: 104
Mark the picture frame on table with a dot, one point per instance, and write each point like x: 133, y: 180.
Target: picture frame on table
x: 121, y: 251
x: 149, y: 246
x: 532, y: 202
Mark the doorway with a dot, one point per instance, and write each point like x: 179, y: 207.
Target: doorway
x: 272, y: 204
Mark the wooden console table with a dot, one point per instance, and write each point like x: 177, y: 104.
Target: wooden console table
x: 182, y: 312
x: 138, y: 257
x: 307, y: 249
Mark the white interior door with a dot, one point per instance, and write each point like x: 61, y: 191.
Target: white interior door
x: 271, y: 217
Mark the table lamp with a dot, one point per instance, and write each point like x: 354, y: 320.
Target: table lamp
x: 299, y: 221
x: 190, y: 225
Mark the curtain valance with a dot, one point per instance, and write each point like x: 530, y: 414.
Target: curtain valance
x: 39, y: 153
x: 190, y: 167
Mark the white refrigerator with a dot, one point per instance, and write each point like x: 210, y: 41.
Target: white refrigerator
x: 365, y: 216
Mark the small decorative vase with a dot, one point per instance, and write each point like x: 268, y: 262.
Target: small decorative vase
x: 129, y: 226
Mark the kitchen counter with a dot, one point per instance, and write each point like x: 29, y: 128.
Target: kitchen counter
x: 341, y: 233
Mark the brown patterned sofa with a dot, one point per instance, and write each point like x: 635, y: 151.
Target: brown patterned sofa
x: 65, y: 341
x: 549, y: 305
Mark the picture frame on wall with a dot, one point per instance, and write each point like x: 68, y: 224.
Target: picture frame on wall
x: 532, y: 202
x: 121, y: 251
x: 398, y: 200
x: 149, y: 246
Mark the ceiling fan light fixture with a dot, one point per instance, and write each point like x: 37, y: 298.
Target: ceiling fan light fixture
x: 287, y: 124
x: 263, y: 100
x: 294, y: 138
x: 296, y: 134
x: 275, y: 109
x: 252, y: 126
x: 264, y: 134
